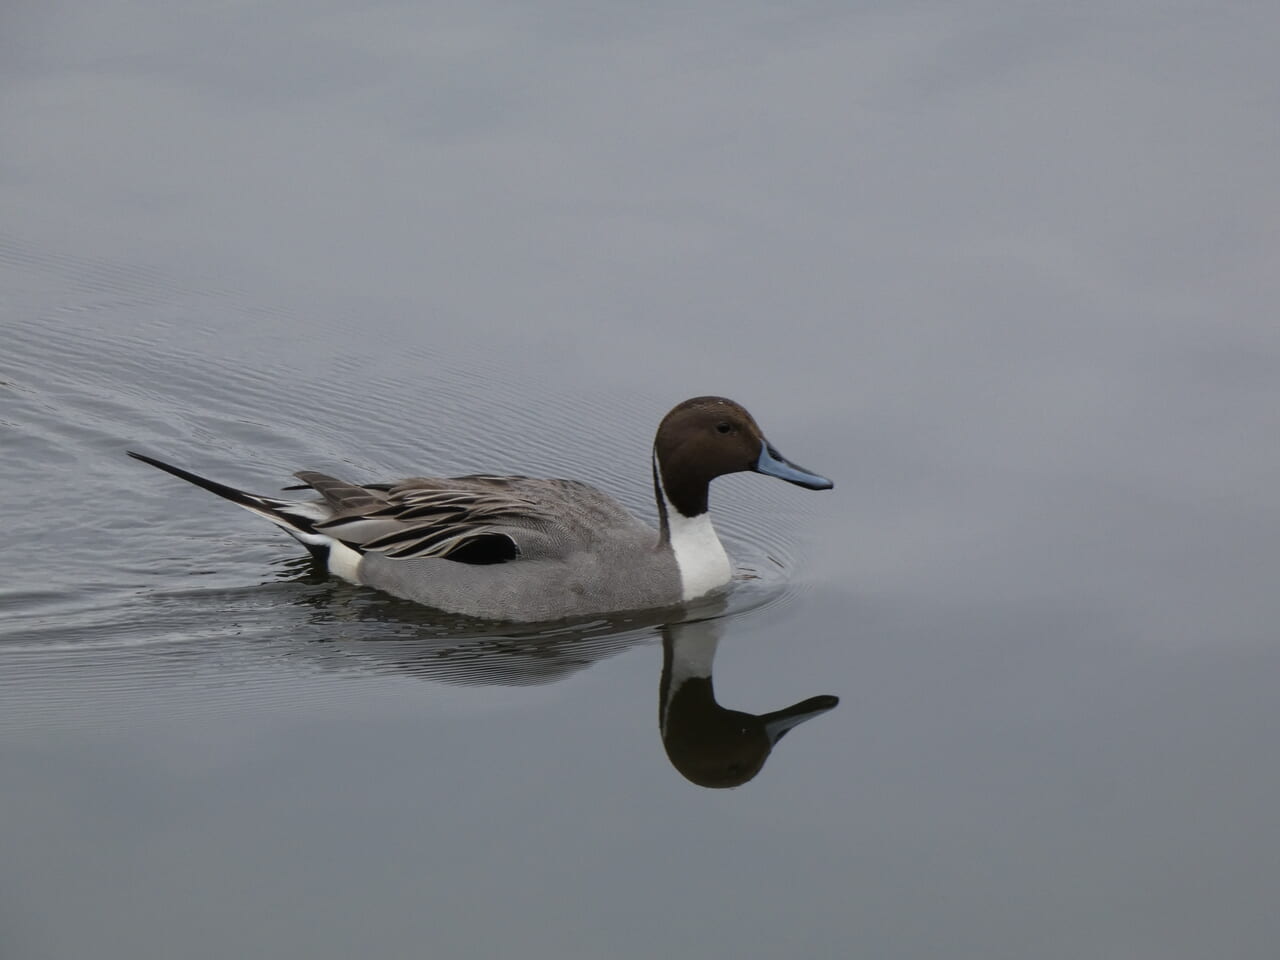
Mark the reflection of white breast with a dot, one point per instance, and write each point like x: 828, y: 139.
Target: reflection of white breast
x: 704, y: 565
x: 690, y: 651
x: 693, y: 651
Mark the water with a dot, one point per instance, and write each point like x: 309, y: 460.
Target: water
x: 1007, y: 277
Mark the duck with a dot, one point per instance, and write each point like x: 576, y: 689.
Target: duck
x: 532, y: 549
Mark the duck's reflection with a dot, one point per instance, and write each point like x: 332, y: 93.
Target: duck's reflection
x: 708, y: 744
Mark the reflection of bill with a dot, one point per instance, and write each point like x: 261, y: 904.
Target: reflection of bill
x: 709, y: 744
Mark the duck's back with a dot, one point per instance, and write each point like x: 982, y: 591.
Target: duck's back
x: 580, y: 553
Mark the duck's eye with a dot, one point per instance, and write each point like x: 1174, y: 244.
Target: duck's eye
x: 723, y: 427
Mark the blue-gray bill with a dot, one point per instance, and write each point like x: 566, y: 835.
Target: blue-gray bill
x: 774, y: 464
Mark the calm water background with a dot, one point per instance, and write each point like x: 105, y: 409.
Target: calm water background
x: 1006, y: 273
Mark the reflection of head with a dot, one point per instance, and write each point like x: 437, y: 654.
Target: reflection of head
x: 708, y: 744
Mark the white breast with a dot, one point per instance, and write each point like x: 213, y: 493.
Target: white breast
x: 704, y: 565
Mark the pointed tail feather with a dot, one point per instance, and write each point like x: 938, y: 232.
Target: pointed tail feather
x: 296, y: 518
x: 247, y: 500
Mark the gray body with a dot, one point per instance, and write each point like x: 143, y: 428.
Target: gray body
x: 581, y: 553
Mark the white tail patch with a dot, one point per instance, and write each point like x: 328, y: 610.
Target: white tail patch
x: 343, y: 561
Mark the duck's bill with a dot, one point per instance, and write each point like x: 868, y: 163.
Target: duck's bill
x: 778, y: 723
x: 774, y: 464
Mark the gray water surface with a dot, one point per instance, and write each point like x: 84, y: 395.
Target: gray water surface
x: 1005, y: 273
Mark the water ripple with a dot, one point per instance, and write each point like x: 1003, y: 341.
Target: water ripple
x: 151, y: 580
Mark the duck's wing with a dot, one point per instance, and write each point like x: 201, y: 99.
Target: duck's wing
x: 467, y: 519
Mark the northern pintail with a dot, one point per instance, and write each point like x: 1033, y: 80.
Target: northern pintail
x: 530, y: 549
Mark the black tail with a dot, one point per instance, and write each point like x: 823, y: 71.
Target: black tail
x: 221, y: 489
x: 293, y: 517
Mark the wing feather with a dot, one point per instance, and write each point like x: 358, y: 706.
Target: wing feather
x: 471, y: 521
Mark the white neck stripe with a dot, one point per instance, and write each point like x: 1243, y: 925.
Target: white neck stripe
x: 700, y: 555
